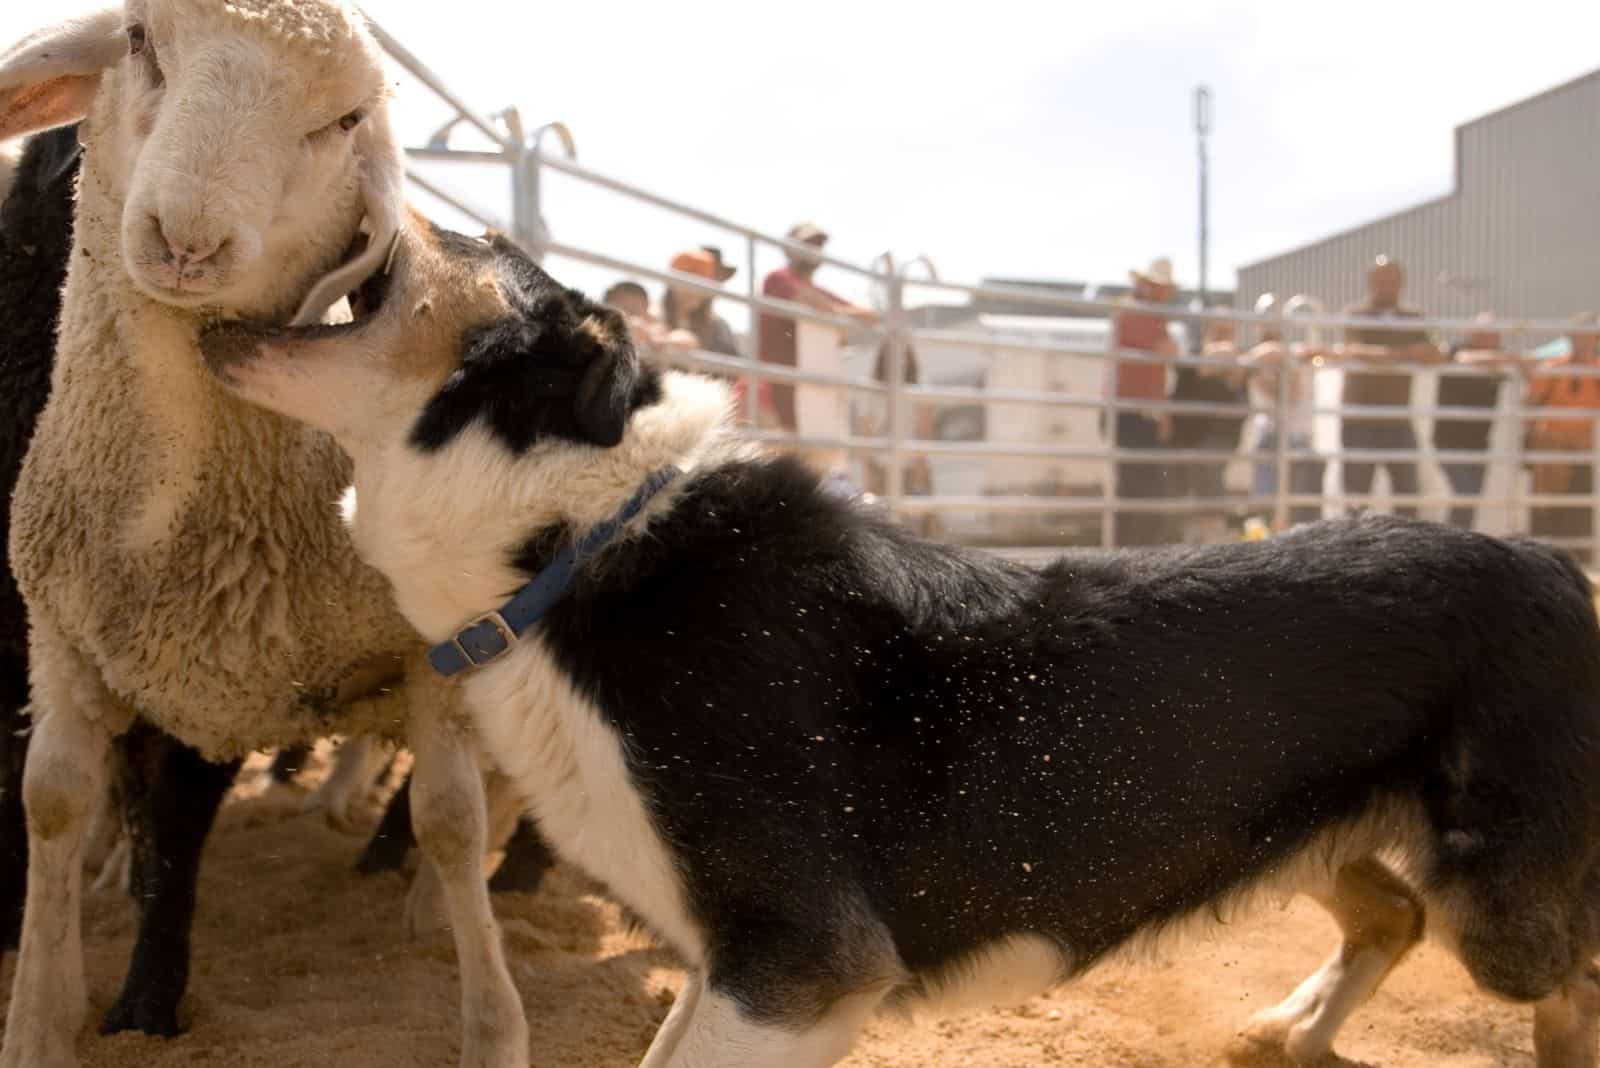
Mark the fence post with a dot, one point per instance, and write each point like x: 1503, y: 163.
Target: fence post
x: 1515, y: 521
x: 895, y: 338
x: 1108, y: 499
x: 1594, y: 501
x: 747, y: 382
x: 1280, y: 497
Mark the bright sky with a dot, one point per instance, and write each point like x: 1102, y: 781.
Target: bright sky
x: 1022, y: 139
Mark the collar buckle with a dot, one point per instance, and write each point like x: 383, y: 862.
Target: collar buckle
x: 485, y: 640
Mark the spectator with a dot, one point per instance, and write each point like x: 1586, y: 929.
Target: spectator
x: 776, y: 333
x: 1214, y: 385
x: 1481, y: 350
x: 1266, y: 361
x: 686, y: 315
x: 1135, y: 383
x: 1383, y: 388
x: 629, y: 298
x: 1567, y: 435
x: 870, y: 419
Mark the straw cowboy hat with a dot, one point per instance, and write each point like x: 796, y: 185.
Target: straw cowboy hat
x: 1159, y: 272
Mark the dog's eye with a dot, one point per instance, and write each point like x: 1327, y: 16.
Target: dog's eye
x: 136, y: 40
x: 352, y: 120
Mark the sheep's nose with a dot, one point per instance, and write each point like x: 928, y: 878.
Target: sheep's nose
x: 188, y: 250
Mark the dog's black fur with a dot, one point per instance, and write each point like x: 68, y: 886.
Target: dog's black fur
x: 818, y: 706
x: 539, y: 372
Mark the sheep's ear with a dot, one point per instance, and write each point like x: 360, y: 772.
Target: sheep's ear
x: 49, y: 78
x: 613, y: 383
x: 383, y: 192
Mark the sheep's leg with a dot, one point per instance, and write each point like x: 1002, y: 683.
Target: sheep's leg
x: 448, y: 812
x: 387, y: 849
x: 65, y: 774
x: 14, y: 727
x: 105, y: 830
x: 286, y: 764
x: 528, y: 858
x: 172, y: 796
x: 426, y: 911
x: 354, y: 768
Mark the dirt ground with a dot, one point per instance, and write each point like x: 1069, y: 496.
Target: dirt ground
x: 300, y: 963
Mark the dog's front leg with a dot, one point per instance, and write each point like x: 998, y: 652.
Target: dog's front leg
x: 662, y: 1047
x: 716, y: 1032
x: 448, y: 814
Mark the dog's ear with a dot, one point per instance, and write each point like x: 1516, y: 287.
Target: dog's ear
x: 613, y: 382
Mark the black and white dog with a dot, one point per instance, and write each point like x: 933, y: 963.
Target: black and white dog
x: 840, y: 769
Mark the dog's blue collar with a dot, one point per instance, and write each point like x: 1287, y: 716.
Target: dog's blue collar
x: 494, y: 634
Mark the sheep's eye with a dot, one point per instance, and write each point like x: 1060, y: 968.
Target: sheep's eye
x: 136, y: 40
x: 351, y: 121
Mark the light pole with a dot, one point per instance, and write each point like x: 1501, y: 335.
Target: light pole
x: 1202, y: 129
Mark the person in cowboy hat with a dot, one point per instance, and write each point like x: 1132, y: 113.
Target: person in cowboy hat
x: 793, y: 282
x: 1480, y: 349
x: 686, y: 315
x: 1383, y: 388
x: 1268, y: 359
x: 1140, y: 329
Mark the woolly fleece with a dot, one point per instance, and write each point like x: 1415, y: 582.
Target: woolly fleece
x: 189, y: 545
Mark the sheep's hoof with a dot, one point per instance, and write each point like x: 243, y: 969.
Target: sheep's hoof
x: 385, y: 852
x: 36, y: 1047
x: 134, y: 1014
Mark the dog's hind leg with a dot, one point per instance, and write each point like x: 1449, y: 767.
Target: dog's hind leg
x: 1381, y: 919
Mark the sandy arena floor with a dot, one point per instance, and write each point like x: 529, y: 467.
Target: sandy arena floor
x: 299, y: 963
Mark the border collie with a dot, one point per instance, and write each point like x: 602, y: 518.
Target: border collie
x: 840, y: 769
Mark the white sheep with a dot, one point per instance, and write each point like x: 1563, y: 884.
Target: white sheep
x: 181, y: 553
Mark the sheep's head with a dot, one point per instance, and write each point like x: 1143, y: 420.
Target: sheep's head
x: 241, y: 140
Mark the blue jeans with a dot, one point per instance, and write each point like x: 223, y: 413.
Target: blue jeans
x: 1305, y: 476
x: 1389, y: 435
x: 1140, y: 479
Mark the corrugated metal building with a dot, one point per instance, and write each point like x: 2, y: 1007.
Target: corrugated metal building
x: 1519, y: 234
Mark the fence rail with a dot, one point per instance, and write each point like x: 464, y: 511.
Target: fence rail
x: 527, y: 161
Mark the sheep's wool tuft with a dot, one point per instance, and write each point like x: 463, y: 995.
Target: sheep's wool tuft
x: 323, y: 26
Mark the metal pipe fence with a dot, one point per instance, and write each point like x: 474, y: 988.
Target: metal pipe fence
x: 1094, y: 502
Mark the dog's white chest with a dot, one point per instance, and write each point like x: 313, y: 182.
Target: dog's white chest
x: 569, y: 764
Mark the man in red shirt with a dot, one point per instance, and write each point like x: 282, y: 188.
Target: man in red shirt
x: 1134, y: 329
x: 775, y: 337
